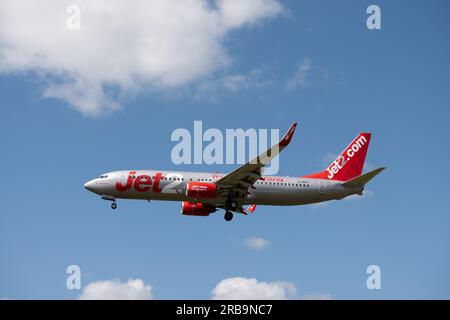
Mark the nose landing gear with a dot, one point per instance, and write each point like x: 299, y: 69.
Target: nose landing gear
x: 110, y: 198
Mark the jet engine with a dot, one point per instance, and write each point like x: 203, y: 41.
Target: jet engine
x: 201, y: 190
x: 196, y: 209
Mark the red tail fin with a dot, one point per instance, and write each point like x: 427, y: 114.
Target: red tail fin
x: 350, y: 162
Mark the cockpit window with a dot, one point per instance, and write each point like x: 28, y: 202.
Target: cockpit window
x: 103, y: 176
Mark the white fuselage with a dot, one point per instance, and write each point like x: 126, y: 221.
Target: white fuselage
x: 171, y: 186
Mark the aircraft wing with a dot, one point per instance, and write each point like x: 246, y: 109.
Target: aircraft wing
x: 240, y: 180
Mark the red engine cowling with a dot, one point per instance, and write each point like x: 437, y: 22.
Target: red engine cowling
x: 196, y: 209
x: 201, y: 190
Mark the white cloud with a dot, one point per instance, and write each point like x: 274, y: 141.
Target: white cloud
x: 256, y: 243
x: 122, y: 47
x: 248, y: 288
x: 298, y: 79
x: 233, y: 83
x: 134, y: 289
x: 252, y: 79
x: 306, y: 75
x: 236, y: 13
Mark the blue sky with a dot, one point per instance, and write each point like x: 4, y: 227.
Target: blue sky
x: 392, y: 82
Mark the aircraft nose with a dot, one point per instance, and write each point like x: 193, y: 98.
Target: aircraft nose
x: 90, y: 185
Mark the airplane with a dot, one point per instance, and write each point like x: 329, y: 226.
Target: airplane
x: 201, y: 194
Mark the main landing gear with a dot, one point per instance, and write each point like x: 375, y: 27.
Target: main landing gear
x: 113, y: 205
x: 228, y: 215
x: 230, y: 205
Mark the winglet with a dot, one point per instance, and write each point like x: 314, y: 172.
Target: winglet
x: 288, y: 136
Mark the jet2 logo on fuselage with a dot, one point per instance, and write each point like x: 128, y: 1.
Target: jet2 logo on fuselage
x: 142, y: 183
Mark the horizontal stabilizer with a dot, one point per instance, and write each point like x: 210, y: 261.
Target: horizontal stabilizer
x: 362, y: 179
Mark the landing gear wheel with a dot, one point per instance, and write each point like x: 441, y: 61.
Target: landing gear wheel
x: 228, y: 216
x: 113, y: 205
x: 232, y: 205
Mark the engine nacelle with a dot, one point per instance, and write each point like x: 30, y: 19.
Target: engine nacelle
x: 196, y: 209
x: 201, y: 190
